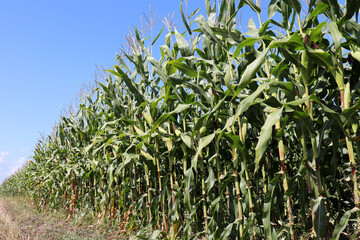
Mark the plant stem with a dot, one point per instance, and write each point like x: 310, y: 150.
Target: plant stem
x: 349, y: 144
x: 285, y: 182
x: 160, y: 186
x: 237, y: 189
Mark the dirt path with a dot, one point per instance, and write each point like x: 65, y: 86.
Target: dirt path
x: 19, y: 221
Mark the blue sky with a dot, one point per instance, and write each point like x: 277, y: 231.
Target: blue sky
x: 48, y: 49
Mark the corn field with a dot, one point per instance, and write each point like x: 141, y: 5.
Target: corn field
x: 226, y: 135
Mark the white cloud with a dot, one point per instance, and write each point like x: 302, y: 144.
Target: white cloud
x: 22, y: 150
x: 21, y: 160
x: 3, y: 155
x: 19, y: 163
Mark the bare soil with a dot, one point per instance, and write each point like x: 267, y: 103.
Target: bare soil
x: 19, y: 220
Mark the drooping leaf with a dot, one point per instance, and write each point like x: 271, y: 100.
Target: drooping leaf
x: 184, y: 68
x: 251, y: 70
x: 180, y: 108
x: 211, y: 179
x: 203, y: 142
x: 183, y: 45
x: 131, y: 85
x: 225, y: 234
x: 253, y: 5
x: 265, y: 135
x: 295, y: 4
x: 244, y: 105
x: 320, y: 9
x: 343, y: 223
x: 204, y: 26
x: 189, y: 183
x: 336, y: 35
x: 272, y: 8
x: 268, y: 229
x: 320, y: 222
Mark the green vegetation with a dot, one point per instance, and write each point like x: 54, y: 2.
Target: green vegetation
x: 228, y: 135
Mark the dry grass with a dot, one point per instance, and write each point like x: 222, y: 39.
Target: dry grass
x: 20, y: 221
x: 9, y: 228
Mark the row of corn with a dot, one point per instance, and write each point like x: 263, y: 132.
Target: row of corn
x: 224, y: 135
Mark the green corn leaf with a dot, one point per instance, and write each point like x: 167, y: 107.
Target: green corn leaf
x: 295, y: 42
x: 251, y: 70
x: 223, y: 7
x: 175, y: 208
x: 305, y: 119
x: 295, y: 4
x: 225, y: 234
x: 180, y: 108
x: 272, y: 8
x: 320, y: 9
x: 252, y: 5
x: 248, y: 42
x: 204, y: 26
x: 335, y: 11
x: 147, y: 155
x: 253, y: 31
x: 204, y: 141
x: 157, y: 37
x: 87, y: 148
x: 352, y: 7
x: 349, y: 113
x: 320, y: 57
x: 184, y: 18
x: 244, y: 105
x: 227, y: 78
x: 189, y: 183
x: 211, y: 179
x: 331, y: 114
x: 234, y: 140
x: 187, y: 140
x: 184, y: 68
x: 265, y: 135
x: 183, y: 44
x: 336, y: 35
x: 317, y: 33
x: 356, y: 55
x: 268, y: 230
x: 343, y: 223
x: 130, y: 84
x: 195, y: 12
x: 138, y: 131
x: 320, y: 222
x: 272, y: 102
x: 280, y: 69
x: 300, y: 101
x: 208, y: 7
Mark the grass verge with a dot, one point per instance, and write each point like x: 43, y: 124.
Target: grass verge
x: 21, y: 221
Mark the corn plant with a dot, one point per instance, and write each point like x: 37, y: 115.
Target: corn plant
x: 227, y: 135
